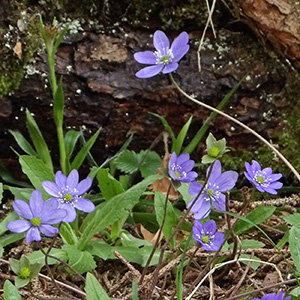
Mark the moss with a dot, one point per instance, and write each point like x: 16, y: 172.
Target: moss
x: 169, y: 14
x: 11, y: 65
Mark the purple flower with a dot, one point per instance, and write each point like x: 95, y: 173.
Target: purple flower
x: 217, y: 183
x: 263, y: 179
x: 274, y: 296
x: 38, y: 217
x: 164, y: 59
x: 207, y: 236
x: 180, y: 168
x: 67, y: 191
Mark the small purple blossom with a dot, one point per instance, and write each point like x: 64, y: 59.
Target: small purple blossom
x: 206, y: 235
x: 180, y: 168
x: 164, y: 59
x: 67, y: 191
x: 38, y: 217
x: 217, y: 183
x: 274, y: 296
x: 263, y: 179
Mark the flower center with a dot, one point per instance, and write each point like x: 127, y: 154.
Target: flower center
x: 210, y: 192
x: 177, y: 174
x: 36, y: 221
x: 260, y: 179
x: 205, y: 239
x: 214, y: 151
x: 24, y: 272
x: 68, y: 197
x: 164, y: 57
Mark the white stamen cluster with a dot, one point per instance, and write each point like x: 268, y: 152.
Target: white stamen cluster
x: 261, y: 175
x: 215, y: 195
x: 164, y: 57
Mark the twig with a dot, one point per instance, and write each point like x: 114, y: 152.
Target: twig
x: 230, y: 262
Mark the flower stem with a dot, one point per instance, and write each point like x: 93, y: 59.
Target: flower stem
x: 289, y: 165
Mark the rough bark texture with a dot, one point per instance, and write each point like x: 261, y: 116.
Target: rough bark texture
x: 102, y: 91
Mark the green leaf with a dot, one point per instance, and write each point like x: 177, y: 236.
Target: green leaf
x: 295, y: 292
x: 15, y: 265
x: 108, y: 185
x: 6, y: 176
x: 10, y: 292
x: 12, y: 216
x: 256, y: 216
x: 294, y: 241
x: 37, y: 171
x: 293, y: 219
x: 166, y: 125
x: 58, y: 106
x: 283, y: 240
x: 21, y: 193
x: 170, y: 220
x: 254, y: 265
x: 71, y: 139
x: 39, y: 257
x: 133, y: 253
x: 81, y: 155
x: 23, y: 143
x: 150, y: 163
x: 67, y: 233
x: 114, y: 209
x: 177, y: 145
x: 38, y: 140
x: 21, y: 282
x: 60, y: 38
x: 184, y: 191
x: 10, y: 238
x: 128, y: 162
x: 249, y: 244
x: 135, y: 293
x: 81, y: 261
x: 1, y: 251
x: 93, y: 289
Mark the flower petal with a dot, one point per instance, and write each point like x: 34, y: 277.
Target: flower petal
x: 182, y: 158
x: 195, y: 188
x: 33, y: 234
x: 171, y: 67
x: 274, y: 177
x: 60, y: 179
x: 226, y: 181
x: 18, y: 226
x: 72, y: 179
x: 191, y: 176
x: 51, y: 204
x: 160, y: 40
x: 179, y: 43
x: 220, y: 203
x: 84, y: 205
x: 216, y: 171
x: 51, y: 188
x: 187, y: 166
x: 210, y: 227
x: 149, y: 71
x: 71, y: 212
x: 180, y: 53
x: 53, y: 216
x: 84, y: 185
x: 276, y: 185
x: 203, y: 211
x: 173, y: 159
x: 146, y: 57
x: 48, y: 230
x: 36, y: 203
x: 22, y: 209
x: 255, y: 166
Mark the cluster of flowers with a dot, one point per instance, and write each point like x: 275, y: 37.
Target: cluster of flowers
x: 211, y: 195
x: 165, y: 59
x: 39, y: 215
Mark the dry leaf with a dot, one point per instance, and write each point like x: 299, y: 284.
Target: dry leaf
x: 18, y: 49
